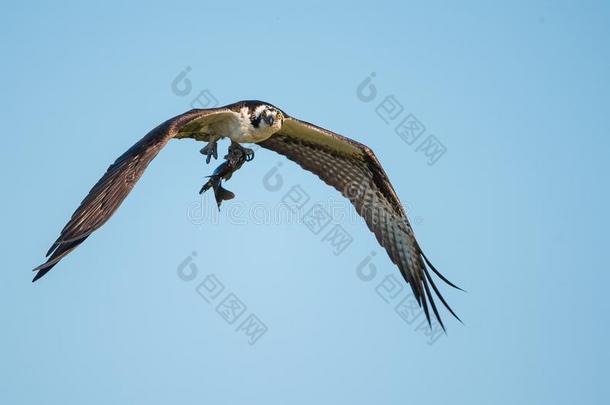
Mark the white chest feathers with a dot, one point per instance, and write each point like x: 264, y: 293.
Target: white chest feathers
x: 240, y: 128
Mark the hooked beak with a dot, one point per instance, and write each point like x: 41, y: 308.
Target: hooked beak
x: 269, y: 119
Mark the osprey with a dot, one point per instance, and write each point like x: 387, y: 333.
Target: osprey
x: 348, y: 166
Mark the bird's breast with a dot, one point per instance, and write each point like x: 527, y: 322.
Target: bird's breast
x: 241, y: 130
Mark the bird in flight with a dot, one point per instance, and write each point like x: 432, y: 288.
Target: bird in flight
x: 347, y: 165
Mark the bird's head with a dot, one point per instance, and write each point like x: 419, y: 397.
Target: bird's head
x: 266, y: 116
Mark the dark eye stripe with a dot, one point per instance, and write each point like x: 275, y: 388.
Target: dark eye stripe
x: 255, y: 121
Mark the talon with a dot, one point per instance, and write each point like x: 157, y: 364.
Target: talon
x: 211, y: 149
x: 238, y: 153
x: 249, y: 154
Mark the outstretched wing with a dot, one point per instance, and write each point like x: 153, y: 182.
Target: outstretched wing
x: 110, y: 191
x: 353, y: 170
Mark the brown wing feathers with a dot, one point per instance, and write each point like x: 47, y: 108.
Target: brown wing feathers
x: 110, y: 191
x: 355, y: 172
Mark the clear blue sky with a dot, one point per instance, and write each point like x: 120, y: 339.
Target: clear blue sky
x: 515, y: 210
